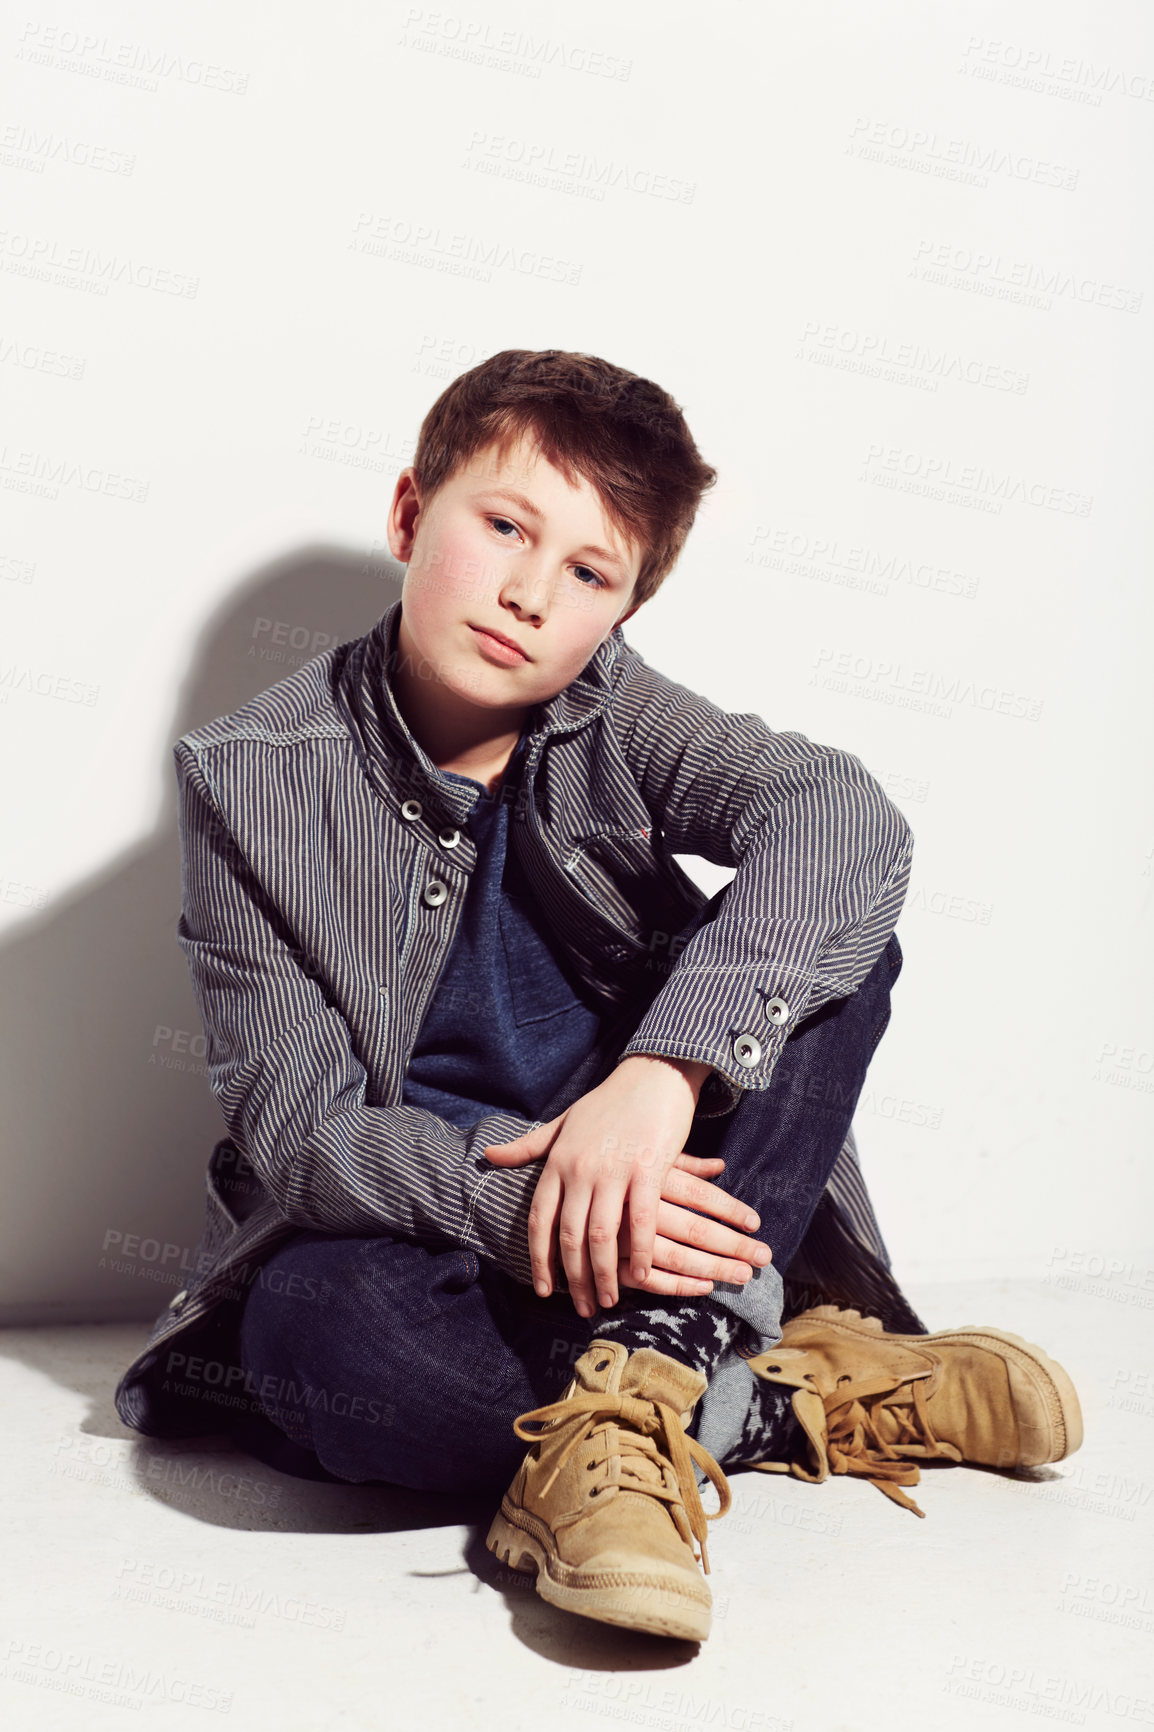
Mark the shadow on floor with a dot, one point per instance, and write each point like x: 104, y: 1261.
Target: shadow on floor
x: 207, y: 1478
x: 210, y: 1480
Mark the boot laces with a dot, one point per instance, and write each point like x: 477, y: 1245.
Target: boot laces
x: 645, y: 1427
x: 856, y: 1446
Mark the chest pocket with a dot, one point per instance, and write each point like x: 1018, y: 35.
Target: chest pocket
x: 538, y: 986
x: 621, y: 874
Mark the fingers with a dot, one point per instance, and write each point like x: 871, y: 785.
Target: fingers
x: 604, y: 1231
x: 684, y: 1187
x: 664, y: 1281
x: 659, y: 1280
x: 542, y: 1220
x: 678, y: 1268
x: 705, y: 1166
x: 587, y: 1225
x: 573, y: 1237
x: 717, y: 1244
x: 583, y: 1222
x: 644, y: 1198
x: 523, y: 1149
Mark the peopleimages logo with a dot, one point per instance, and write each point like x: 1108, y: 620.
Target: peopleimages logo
x: 130, y: 1684
x: 459, y: 253
x: 1017, y: 280
x: 120, y: 62
x: 1029, y: 67
x: 225, y: 1380
x: 180, y: 1589
x: 478, y: 42
x: 924, y: 150
x: 883, y: 681
x: 550, y: 165
x: 993, y: 486
x: 45, y: 257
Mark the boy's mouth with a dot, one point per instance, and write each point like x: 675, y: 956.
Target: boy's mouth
x: 500, y: 642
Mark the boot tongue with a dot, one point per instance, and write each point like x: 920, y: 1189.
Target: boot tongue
x: 599, y: 1368
x: 644, y: 1373
x: 654, y: 1376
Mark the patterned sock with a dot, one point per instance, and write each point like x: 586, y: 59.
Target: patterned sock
x: 771, y: 1426
x: 697, y: 1333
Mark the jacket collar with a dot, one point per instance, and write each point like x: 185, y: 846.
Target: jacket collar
x: 397, y: 764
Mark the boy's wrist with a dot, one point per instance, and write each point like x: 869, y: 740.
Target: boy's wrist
x: 693, y: 1070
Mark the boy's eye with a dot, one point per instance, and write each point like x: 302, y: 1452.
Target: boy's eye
x: 501, y: 524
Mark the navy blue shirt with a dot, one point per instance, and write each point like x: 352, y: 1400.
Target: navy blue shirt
x: 506, y: 1024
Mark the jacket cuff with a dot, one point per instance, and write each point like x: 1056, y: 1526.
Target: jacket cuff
x: 741, y: 1023
x: 497, y: 1199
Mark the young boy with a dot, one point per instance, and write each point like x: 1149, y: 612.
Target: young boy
x: 484, y: 1050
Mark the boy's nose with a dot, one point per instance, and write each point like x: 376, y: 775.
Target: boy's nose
x: 528, y: 594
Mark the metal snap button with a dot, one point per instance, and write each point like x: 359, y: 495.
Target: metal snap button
x: 747, y: 1050
x: 448, y: 838
x: 411, y: 809
x: 777, y: 1010
x: 435, y: 892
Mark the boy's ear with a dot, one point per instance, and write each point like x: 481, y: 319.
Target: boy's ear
x: 401, y: 525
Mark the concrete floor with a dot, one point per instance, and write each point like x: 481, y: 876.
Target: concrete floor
x: 195, y: 1577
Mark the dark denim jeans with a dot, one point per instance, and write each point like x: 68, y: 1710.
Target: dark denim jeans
x: 379, y: 1359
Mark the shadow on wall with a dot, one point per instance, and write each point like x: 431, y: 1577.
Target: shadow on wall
x: 108, y: 1117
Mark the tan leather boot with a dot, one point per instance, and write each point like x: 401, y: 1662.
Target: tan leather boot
x: 868, y: 1401
x: 605, y: 1505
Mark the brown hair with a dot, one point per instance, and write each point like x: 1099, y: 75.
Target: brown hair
x: 623, y: 434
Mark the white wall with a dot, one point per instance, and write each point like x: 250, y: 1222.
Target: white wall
x: 895, y: 263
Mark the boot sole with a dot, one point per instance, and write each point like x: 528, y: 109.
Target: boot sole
x: 1049, y: 1378
x: 638, y: 1606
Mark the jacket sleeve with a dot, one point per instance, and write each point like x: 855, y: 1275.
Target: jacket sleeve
x: 282, y: 1067
x: 822, y: 858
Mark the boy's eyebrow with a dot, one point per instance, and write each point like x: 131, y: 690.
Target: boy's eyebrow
x: 526, y: 505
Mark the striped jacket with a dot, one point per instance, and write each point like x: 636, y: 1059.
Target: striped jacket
x: 325, y: 861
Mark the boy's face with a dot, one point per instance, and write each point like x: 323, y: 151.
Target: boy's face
x: 505, y: 545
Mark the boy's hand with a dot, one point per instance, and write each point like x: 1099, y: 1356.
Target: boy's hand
x: 621, y: 1140
x: 691, y: 1252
